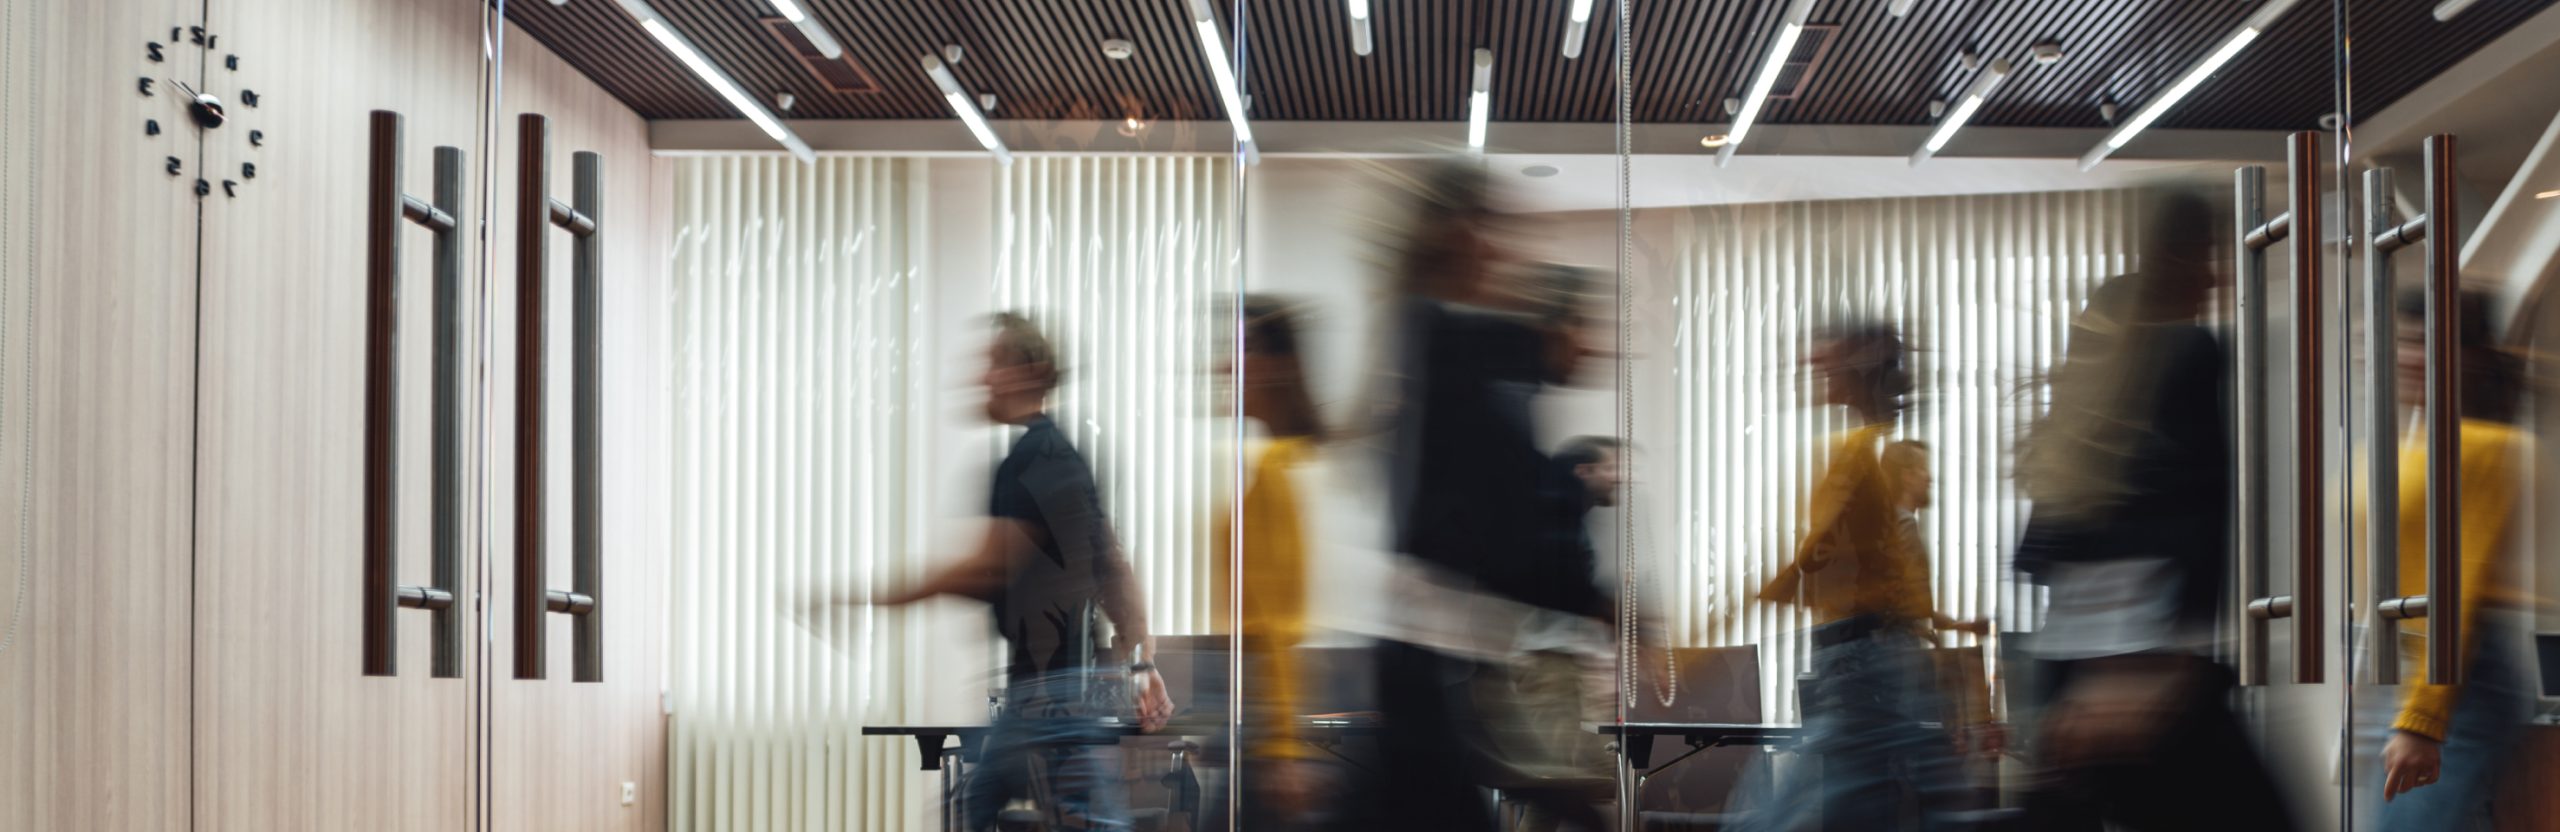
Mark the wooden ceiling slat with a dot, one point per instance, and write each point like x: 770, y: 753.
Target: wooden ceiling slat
x: 1043, y: 58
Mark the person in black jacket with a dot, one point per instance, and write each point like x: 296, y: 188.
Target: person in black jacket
x: 1473, y: 516
x: 2130, y: 476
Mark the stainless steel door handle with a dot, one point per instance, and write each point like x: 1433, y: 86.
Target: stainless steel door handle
x: 387, y: 206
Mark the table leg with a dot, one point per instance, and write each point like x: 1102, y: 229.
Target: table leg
x: 952, y: 818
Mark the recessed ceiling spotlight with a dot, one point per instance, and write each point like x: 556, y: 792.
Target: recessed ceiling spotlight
x: 559, y: 2
x: 1714, y: 140
x: 2331, y: 121
x: 1937, y: 107
x: 1732, y: 106
x: 783, y: 101
x: 952, y: 53
x: 1132, y: 126
x: 1970, y: 60
x: 1539, y: 171
x: 1118, y: 50
x: 2107, y: 111
x: 2046, y: 53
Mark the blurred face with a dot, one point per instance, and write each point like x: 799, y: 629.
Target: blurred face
x: 1830, y: 385
x: 1603, y: 478
x: 1570, y: 345
x: 1014, y: 389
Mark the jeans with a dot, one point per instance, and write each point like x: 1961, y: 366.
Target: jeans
x: 1066, y: 762
x: 1862, y: 722
x: 2497, y: 700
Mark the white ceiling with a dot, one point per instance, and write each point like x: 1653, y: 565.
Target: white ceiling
x: 1590, y: 183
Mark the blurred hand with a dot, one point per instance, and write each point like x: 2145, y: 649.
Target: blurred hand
x: 2111, y: 718
x: 1155, y: 706
x: 2408, y: 762
x: 1290, y: 786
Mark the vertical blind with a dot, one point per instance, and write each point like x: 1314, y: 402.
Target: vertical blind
x: 1983, y: 289
x: 1122, y: 261
x: 798, y: 396
x: 791, y: 396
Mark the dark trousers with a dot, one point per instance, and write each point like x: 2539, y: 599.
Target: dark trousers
x: 2203, y: 774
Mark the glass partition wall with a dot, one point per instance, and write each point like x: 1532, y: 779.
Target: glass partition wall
x: 1618, y: 414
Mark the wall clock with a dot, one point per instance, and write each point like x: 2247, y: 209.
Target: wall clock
x: 221, y: 111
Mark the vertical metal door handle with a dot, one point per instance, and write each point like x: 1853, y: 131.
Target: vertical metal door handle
x: 2444, y: 418
x: 2387, y: 235
x: 536, y: 214
x: 2300, y: 227
x: 2249, y: 288
x: 2310, y: 621
x: 383, y: 594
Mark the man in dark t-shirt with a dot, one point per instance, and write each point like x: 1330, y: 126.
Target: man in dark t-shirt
x: 1051, y: 571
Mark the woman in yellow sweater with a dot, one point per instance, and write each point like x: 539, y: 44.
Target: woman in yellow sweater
x: 2448, y: 743
x: 1867, y: 585
x: 1273, y: 558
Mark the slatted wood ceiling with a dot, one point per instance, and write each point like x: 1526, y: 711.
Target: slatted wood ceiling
x: 1042, y: 58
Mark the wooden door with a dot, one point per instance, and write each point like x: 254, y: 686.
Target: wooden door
x: 561, y: 751
x: 94, y: 680
x: 290, y: 733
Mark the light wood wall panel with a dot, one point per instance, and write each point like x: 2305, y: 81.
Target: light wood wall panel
x: 290, y: 735
x: 560, y: 751
x: 95, y: 686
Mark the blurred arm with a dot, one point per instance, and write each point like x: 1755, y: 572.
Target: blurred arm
x: 978, y: 575
x: 2489, y: 490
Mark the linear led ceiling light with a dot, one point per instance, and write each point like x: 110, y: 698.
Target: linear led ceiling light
x: 1790, y: 27
x: 2249, y: 31
x: 1480, y: 101
x: 1974, y: 94
x: 816, y: 31
x: 1205, y: 19
x: 1576, y: 20
x: 1899, y: 8
x: 718, y: 81
x: 1359, y: 27
x: 2447, y: 9
x: 966, y: 109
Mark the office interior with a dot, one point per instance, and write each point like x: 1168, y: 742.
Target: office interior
x: 447, y: 414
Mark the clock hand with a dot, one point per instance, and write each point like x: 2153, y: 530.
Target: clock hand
x: 182, y: 86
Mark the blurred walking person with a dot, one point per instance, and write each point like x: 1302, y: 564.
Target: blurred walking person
x: 2129, y: 471
x: 1858, y: 569
x: 2445, y: 746
x: 1050, y: 568
x: 1277, y: 768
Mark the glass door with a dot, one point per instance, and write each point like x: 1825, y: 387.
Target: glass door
x: 2446, y: 177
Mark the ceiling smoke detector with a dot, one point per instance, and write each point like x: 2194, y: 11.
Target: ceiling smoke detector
x: 2046, y: 53
x: 1118, y: 49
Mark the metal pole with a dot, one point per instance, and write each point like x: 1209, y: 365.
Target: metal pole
x: 2249, y: 187
x: 2382, y: 444
x: 2309, y: 575
x: 533, y: 229
x: 383, y: 211
x: 586, y: 434
x: 447, y: 404
x: 2444, y: 420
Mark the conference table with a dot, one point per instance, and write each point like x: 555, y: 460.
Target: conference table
x: 936, y: 752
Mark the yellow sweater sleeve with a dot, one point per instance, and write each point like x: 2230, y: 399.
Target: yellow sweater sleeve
x: 1273, y: 616
x: 2492, y: 458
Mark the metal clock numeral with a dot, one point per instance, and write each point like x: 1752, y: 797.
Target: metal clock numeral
x: 150, y: 127
x: 144, y: 84
x: 231, y: 62
x: 154, y: 49
x: 203, y: 187
x: 257, y: 138
x: 248, y: 170
x: 227, y: 188
x: 174, y: 166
